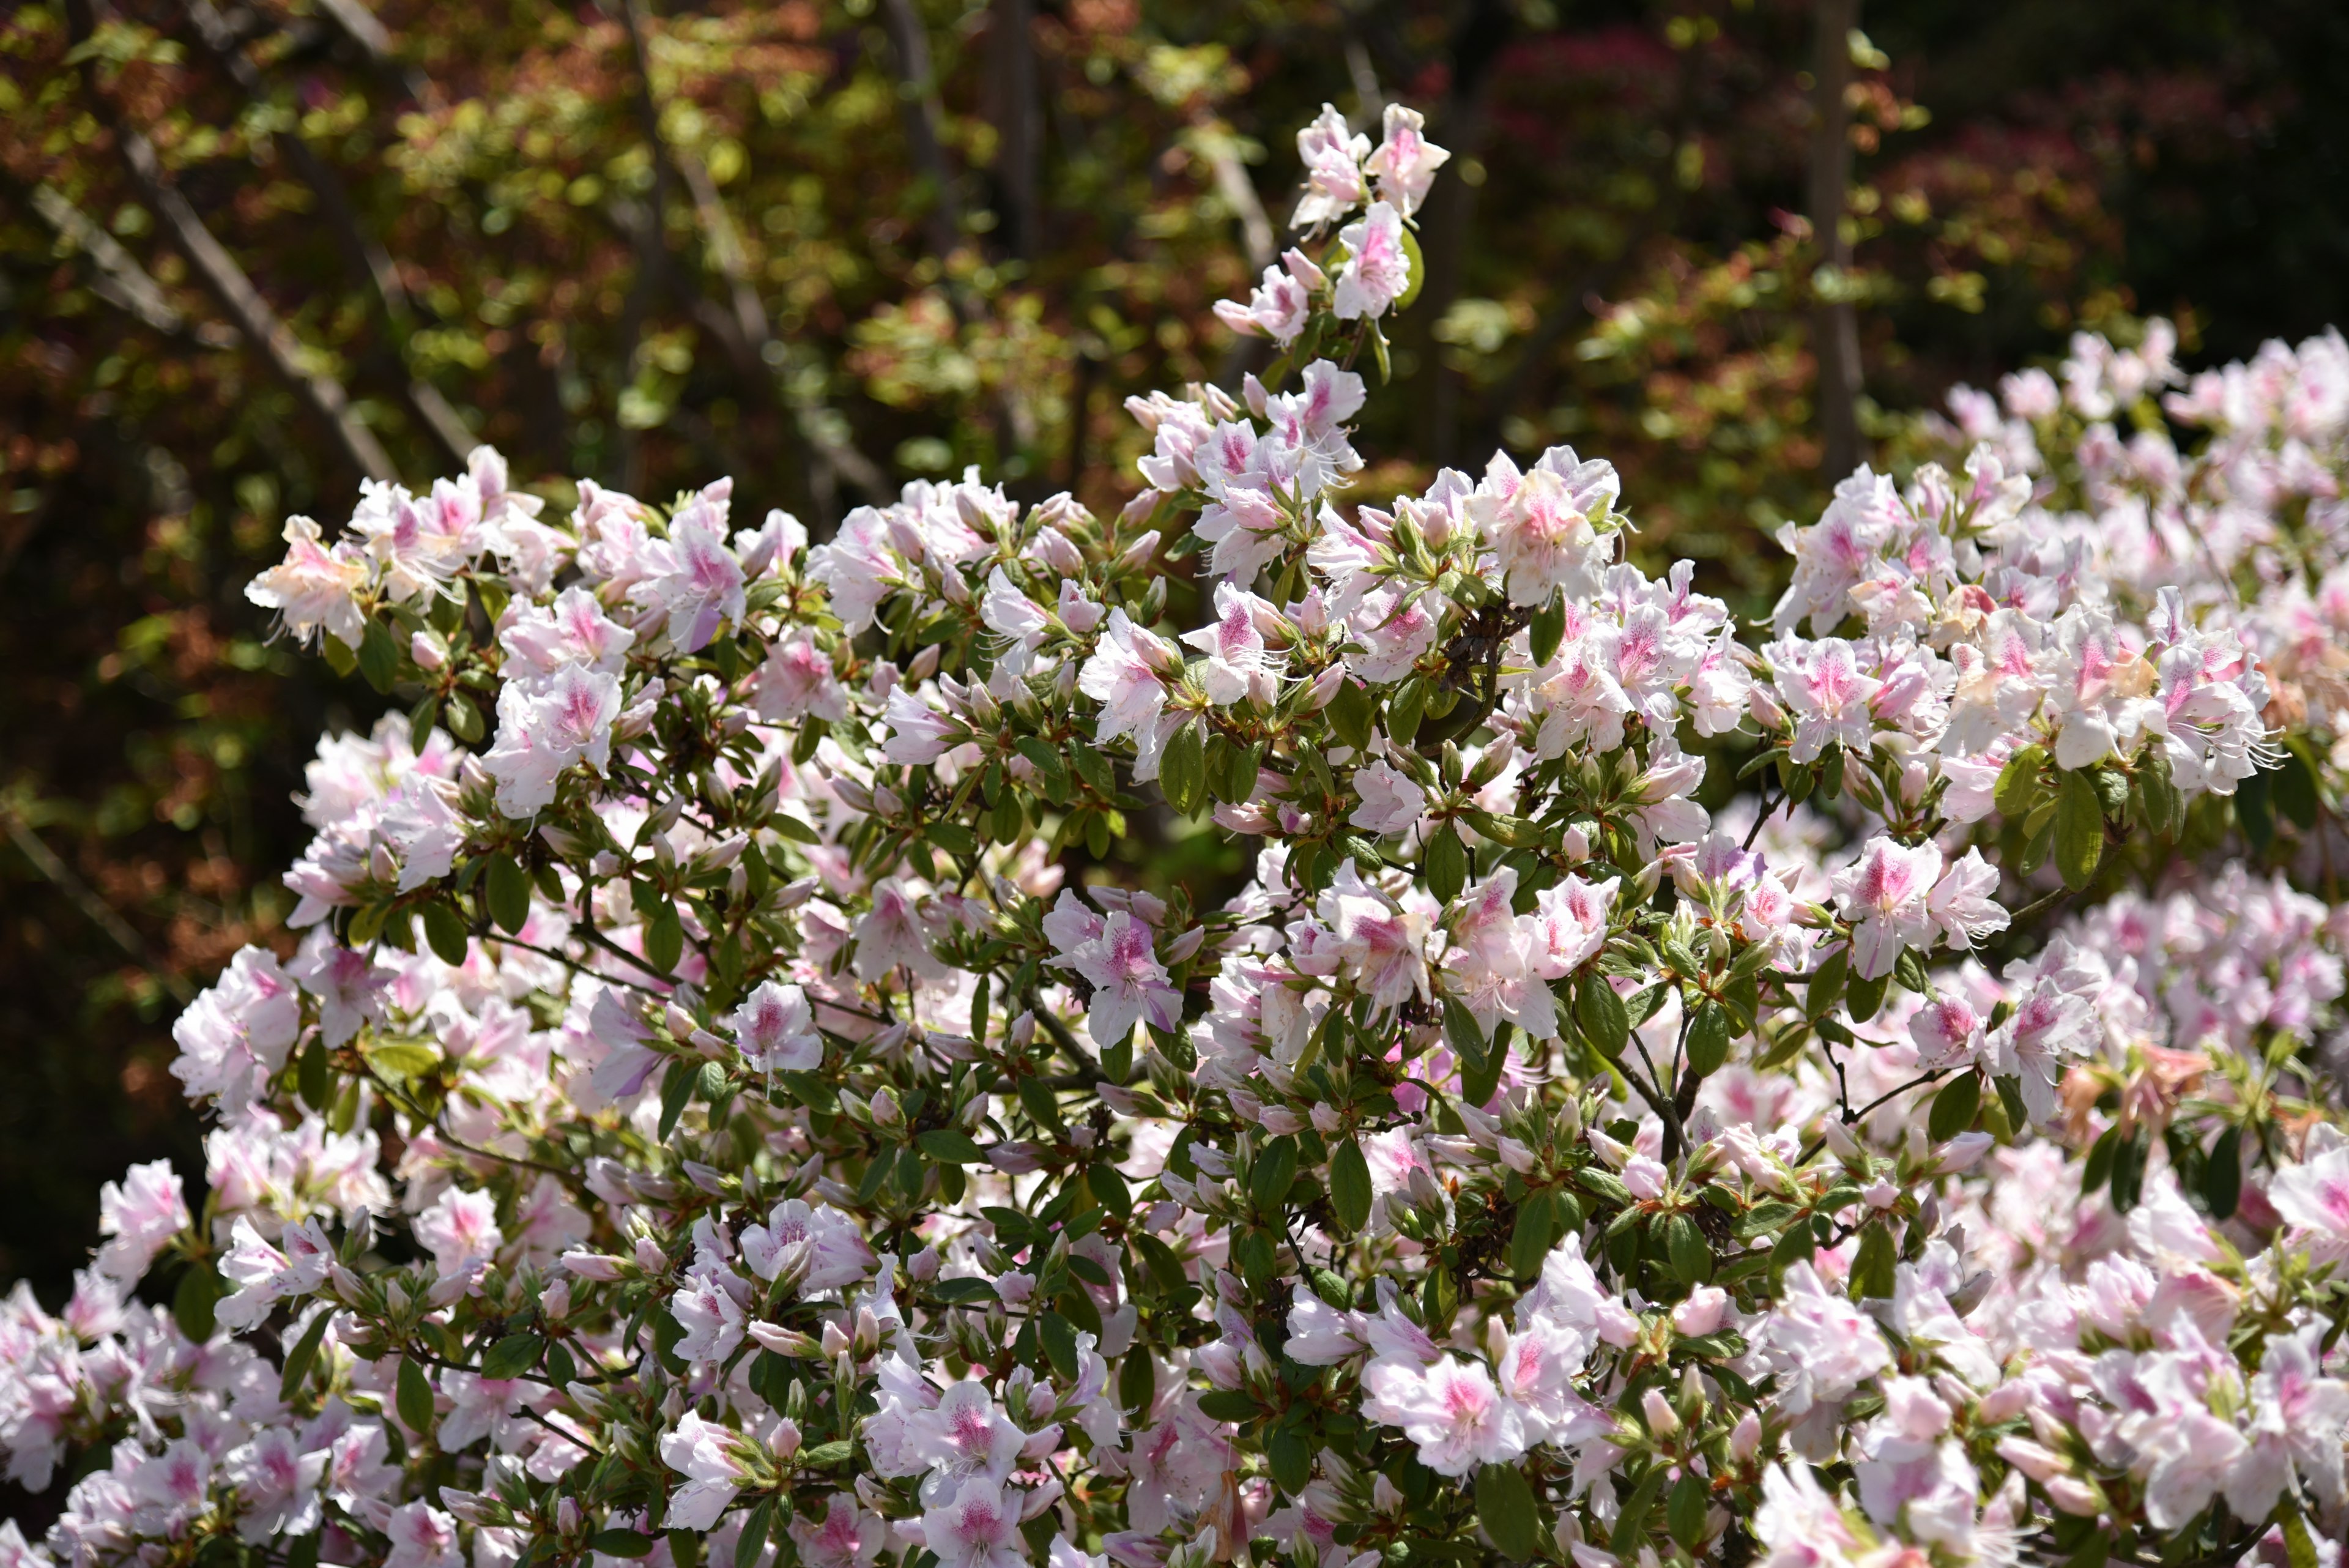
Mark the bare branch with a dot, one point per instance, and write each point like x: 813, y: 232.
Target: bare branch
x: 1216, y: 142
x: 121, y: 279
x: 366, y: 257
x: 763, y: 363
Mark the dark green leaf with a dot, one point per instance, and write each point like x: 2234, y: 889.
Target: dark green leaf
x: 1350, y: 1185
x: 444, y: 929
x: 1708, y: 1039
x: 414, y: 1397
x: 507, y: 890
x: 1270, y: 1178
x: 1445, y: 864
x: 621, y: 1543
x: 1955, y: 1107
x: 1228, y: 1405
x: 665, y: 939
x: 1684, y: 1510
x: 1599, y: 1011
x: 2017, y: 789
x: 512, y: 1357
x: 1546, y: 629
x: 379, y: 656
x: 1349, y: 713
x: 950, y: 1147
x: 305, y: 1351
x: 1058, y: 1337
x: 1872, y: 1270
x: 753, y: 1539
x: 2079, y: 829
x: 2222, y: 1175
x: 1504, y: 1507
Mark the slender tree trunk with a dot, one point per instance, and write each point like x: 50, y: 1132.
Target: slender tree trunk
x: 1835, y: 327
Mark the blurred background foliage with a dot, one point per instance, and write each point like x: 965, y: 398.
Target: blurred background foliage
x: 253, y: 250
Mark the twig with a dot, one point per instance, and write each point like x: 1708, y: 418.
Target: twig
x: 314, y: 384
x: 360, y: 251
x: 121, y: 280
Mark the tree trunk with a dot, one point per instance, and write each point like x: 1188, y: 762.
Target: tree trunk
x: 1835, y: 328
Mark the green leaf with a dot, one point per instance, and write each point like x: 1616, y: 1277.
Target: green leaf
x: 824, y: 1454
x: 512, y: 1357
x: 414, y: 1398
x: 2079, y: 830
x: 1954, y: 1108
x: 1051, y: 773
x: 665, y: 939
x: 421, y: 719
x: 1230, y: 1405
x: 952, y: 836
x: 2299, y: 1548
x: 1351, y: 713
x: 313, y: 1075
x: 1708, y: 1039
x: 677, y: 1092
x: 1685, y: 1245
x: 1109, y: 1188
x: 1826, y: 984
x: 193, y: 1304
x: 1350, y: 1185
x: 948, y: 1147
x: 963, y: 1291
x: 2222, y: 1175
x: 2293, y: 789
x: 305, y: 1351
x: 621, y: 1543
x: 1404, y: 710
x: 2128, y: 1171
x: 401, y: 1060
x: 1601, y: 1012
x: 444, y: 929
x: 1633, y: 1523
x: 1058, y: 1337
x: 753, y: 1539
x: 379, y: 656
x: 1270, y: 1177
x: 1872, y: 1270
x: 1548, y: 630
x: 1684, y: 1509
x: 2099, y: 1166
x: 2254, y: 812
x: 1418, y: 272
x: 1445, y: 864
x: 1137, y: 1380
x: 1290, y: 1456
x: 1183, y: 770
x: 1862, y: 998
x: 2017, y: 789
x: 792, y: 828
x: 464, y: 718
x: 1504, y: 1507
x: 508, y: 891
x: 1536, y: 1230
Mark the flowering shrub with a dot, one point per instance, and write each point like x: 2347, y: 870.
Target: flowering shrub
x: 702, y: 1123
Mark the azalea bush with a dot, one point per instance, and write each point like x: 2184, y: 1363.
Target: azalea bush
x: 704, y: 1122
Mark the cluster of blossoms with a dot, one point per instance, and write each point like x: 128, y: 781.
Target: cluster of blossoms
x: 704, y: 1122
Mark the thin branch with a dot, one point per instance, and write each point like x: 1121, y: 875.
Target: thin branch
x: 364, y: 257
x: 767, y: 368
x: 121, y: 280
x: 1216, y: 142
x: 313, y: 383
